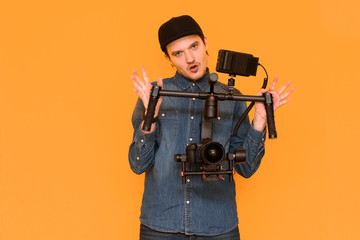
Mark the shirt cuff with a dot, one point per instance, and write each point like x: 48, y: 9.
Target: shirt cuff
x: 142, y: 138
x: 257, y: 136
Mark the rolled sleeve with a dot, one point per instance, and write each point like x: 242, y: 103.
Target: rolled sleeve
x: 255, y: 150
x: 256, y: 136
x: 141, y: 153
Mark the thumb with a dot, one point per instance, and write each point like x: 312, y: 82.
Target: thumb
x: 263, y: 90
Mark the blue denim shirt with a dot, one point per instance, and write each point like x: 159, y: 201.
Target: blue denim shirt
x: 202, y: 208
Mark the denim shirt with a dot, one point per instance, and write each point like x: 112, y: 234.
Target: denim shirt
x: 197, y: 207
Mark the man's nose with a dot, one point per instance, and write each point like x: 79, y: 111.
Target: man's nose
x: 189, y: 57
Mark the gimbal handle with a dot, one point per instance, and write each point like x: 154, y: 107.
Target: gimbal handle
x: 149, y: 116
x: 269, y: 107
x: 156, y: 92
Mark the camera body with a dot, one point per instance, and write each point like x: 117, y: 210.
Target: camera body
x: 210, y: 158
x: 207, y: 153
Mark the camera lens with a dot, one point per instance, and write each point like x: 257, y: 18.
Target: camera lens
x: 212, y: 152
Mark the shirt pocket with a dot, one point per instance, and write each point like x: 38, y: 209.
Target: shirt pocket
x: 168, y: 123
x: 222, y: 127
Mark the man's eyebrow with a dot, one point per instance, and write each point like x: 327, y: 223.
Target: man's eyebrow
x: 195, y: 42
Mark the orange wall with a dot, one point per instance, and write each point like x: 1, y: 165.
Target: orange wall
x: 66, y: 101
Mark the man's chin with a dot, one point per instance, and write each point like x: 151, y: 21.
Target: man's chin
x: 195, y: 75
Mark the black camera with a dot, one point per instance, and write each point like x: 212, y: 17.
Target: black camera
x: 208, y: 152
x: 213, y: 160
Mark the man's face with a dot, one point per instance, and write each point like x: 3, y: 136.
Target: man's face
x: 188, y: 54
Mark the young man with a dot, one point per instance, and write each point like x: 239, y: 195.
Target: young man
x: 207, y: 210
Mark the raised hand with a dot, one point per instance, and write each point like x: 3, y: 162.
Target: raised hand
x: 279, y: 99
x: 143, y: 88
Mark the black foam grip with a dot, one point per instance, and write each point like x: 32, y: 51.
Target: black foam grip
x: 269, y: 107
x: 154, y: 97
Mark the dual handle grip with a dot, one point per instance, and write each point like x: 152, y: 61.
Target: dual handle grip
x: 155, y: 94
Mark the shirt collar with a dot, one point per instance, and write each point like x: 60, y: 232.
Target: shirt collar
x: 185, y: 83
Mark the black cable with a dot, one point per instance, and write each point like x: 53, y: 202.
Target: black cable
x: 265, y: 79
x: 243, y: 116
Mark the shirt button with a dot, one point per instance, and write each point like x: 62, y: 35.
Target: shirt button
x: 142, y: 140
x: 193, y: 84
x: 190, y: 139
x: 163, y: 114
x: 218, y: 118
x: 193, y: 99
x: 188, y: 180
x: 137, y: 158
x: 192, y: 117
x: 187, y: 202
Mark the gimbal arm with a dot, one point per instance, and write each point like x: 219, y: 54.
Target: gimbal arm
x: 156, y: 92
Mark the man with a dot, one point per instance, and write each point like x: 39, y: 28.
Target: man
x: 197, y: 209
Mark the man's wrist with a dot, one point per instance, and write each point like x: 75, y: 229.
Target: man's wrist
x: 259, y: 124
x: 153, y: 121
x: 151, y: 129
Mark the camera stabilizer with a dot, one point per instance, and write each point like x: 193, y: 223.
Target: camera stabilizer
x: 211, y: 154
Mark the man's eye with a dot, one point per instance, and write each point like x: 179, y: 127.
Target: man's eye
x: 177, y: 54
x: 194, y: 45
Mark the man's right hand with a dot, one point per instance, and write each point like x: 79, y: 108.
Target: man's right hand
x: 143, y: 88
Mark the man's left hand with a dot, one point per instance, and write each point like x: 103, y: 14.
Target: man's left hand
x: 279, y: 99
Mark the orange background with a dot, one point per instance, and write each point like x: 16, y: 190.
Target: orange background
x: 66, y: 101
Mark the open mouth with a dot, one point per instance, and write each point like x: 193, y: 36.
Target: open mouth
x: 194, y: 68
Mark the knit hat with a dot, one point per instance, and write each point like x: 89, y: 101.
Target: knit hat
x: 178, y: 27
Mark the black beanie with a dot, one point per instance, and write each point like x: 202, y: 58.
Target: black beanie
x: 178, y: 27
